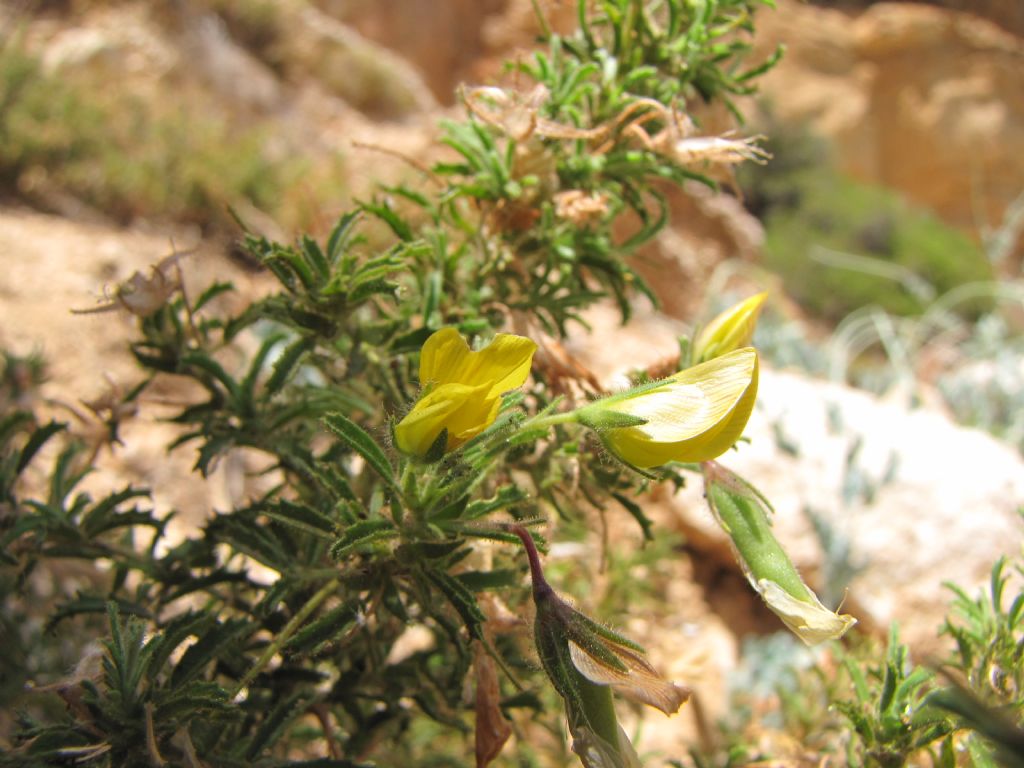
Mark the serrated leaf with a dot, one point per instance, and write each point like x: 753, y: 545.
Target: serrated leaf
x: 362, y: 534
x: 483, y: 581
x: 332, y: 479
x: 84, y: 603
x: 210, y: 366
x: 250, y: 538
x: 356, y: 438
x: 506, y: 497
x: 370, y: 288
x: 386, y: 214
x: 36, y: 441
x: 302, y: 517
x: 198, y: 698
x: 340, y: 234
x: 323, y: 629
x: 462, y: 599
x: 247, y: 388
x: 174, y: 634
x: 216, y: 642
x: 315, y: 257
x: 216, y: 289
x: 285, y: 365
x: 105, y: 516
x: 274, y: 724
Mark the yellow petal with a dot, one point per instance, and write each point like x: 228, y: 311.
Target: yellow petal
x: 811, y: 621
x: 504, y: 364
x: 443, y: 356
x: 696, y: 416
x: 456, y: 407
x: 642, y: 683
x: 732, y: 329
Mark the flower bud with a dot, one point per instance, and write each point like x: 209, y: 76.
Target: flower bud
x: 730, y: 330
x: 741, y: 512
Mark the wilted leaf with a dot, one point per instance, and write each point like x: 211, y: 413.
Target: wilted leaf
x: 492, y: 729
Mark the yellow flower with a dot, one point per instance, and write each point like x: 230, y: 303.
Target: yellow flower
x: 693, y: 416
x: 462, y: 388
x: 730, y: 330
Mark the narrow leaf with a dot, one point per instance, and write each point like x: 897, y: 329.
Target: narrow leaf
x: 361, y: 534
x: 302, y: 517
x: 461, y: 599
x: 360, y: 441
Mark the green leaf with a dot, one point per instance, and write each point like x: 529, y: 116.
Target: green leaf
x: 645, y: 523
x: 174, y: 634
x: 36, y: 441
x: 362, y: 534
x: 210, y: 366
x: 105, y: 516
x: 507, y: 497
x: 370, y: 288
x: 216, y: 289
x: 386, y: 214
x: 302, y: 517
x: 315, y: 257
x: 339, y: 236
x: 197, y: 698
x: 356, y: 438
x: 274, y: 724
x: 247, y: 389
x: 322, y: 630
x: 285, y: 365
x: 461, y: 598
x: 242, y: 532
x: 219, y: 641
x: 85, y: 603
x: 483, y: 581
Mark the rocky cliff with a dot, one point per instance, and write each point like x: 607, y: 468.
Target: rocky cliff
x: 921, y: 99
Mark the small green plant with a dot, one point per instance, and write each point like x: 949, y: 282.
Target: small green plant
x: 989, y: 637
x: 840, y: 245
x: 890, y: 711
x: 119, y: 154
x: 872, y: 706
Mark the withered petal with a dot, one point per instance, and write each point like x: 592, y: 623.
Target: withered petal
x: 642, y: 683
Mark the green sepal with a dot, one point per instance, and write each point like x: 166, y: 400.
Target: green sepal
x: 587, y: 704
x: 437, y: 448
x: 748, y: 525
x: 602, y: 419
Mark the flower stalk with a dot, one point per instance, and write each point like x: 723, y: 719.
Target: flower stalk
x: 586, y: 662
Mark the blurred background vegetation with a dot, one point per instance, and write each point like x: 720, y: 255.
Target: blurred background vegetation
x: 249, y: 109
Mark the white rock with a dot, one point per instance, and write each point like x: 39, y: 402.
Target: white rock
x: 918, y: 499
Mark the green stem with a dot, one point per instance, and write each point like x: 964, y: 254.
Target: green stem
x: 551, y: 420
x: 545, y: 29
x: 285, y: 634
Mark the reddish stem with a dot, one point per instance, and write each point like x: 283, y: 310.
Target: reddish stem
x: 540, y: 584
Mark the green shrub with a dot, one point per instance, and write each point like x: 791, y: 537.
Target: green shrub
x: 839, y: 244
x: 126, y: 156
